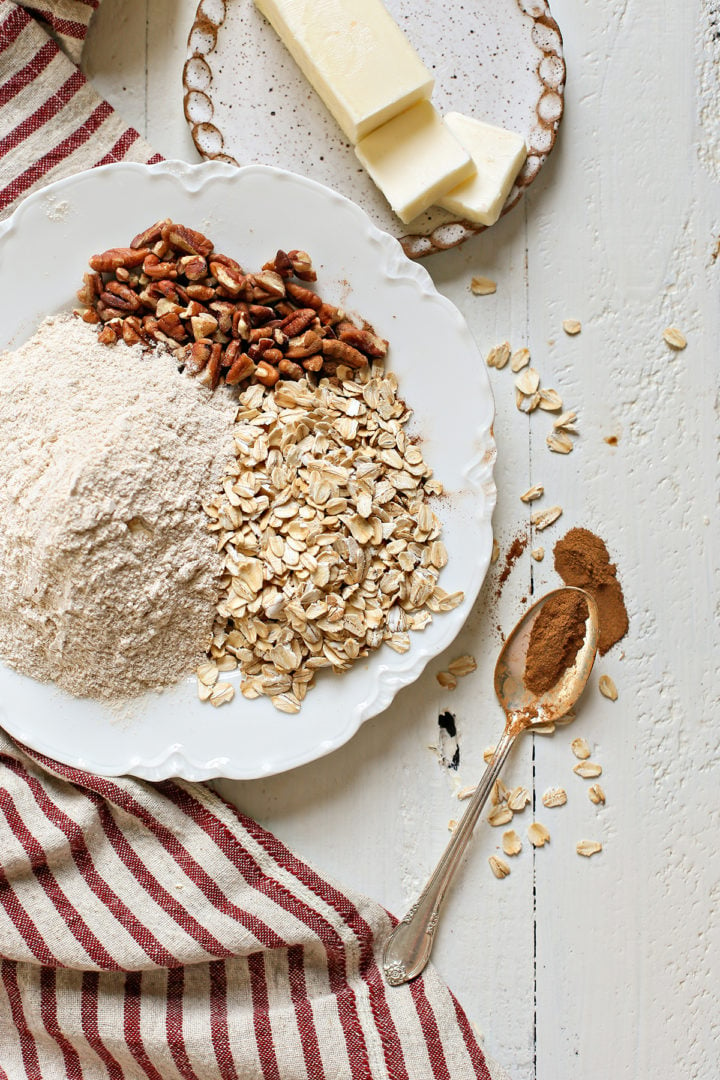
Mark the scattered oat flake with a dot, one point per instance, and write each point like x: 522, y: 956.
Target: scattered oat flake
x: 588, y: 848
x: 580, y: 748
x: 596, y: 794
x: 500, y: 815
x: 560, y: 442
x: 526, y: 403
x: 223, y: 692
x: 540, y: 519
x: 466, y: 792
x: 511, y: 842
x: 528, y: 381
x: 463, y: 665
x: 588, y: 769
x: 566, y: 421
x: 538, y: 554
x: 538, y: 834
x: 554, y: 796
x: 544, y: 729
x: 447, y: 680
x: 675, y: 338
x: 499, y: 793
x: 499, y: 356
x: 452, y: 825
x: 571, y: 326
x: 535, y: 492
x: 488, y: 754
x: 567, y: 718
x: 483, y: 286
x: 499, y: 867
x: 607, y: 687
x: 518, y: 798
x: 495, y: 552
x: 519, y: 360
x: 550, y: 400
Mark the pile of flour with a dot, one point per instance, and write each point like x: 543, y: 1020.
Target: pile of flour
x: 108, y: 574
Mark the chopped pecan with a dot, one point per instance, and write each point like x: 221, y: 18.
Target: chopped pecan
x: 203, y: 326
x: 118, y: 294
x: 314, y: 363
x: 111, y: 259
x: 260, y: 314
x: 267, y: 285
x: 196, y: 356
x: 243, y: 368
x: 302, y: 265
x: 92, y: 287
x: 302, y: 296
x: 328, y: 314
x: 343, y: 353
x: 223, y: 311
x: 200, y: 292
x: 240, y: 324
x: 150, y: 235
x: 307, y: 344
x: 280, y: 264
x: 170, y: 324
x: 131, y: 334
x: 232, y: 280
x: 107, y: 335
x: 368, y: 343
x: 266, y: 374
x: 193, y: 267
x: 298, y: 321
x: 211, y: 375
x: 157, y: 270
x: 230, y: 353
x: 289, y: 369
x: 185, y: 239
x: 273, y: 356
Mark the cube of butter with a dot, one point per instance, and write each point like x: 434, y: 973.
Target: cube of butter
x: 355, y: 55
x: 413, y: 159
x: 498, y: 156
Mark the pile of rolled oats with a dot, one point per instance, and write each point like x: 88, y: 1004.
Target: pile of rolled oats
x: 331, y: 547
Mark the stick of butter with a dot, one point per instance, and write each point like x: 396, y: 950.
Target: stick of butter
x: 355, y: 55
x: 413, y: 159
x: 498, y: 156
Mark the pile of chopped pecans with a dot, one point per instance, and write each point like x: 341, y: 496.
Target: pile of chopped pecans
x: 171, y: 287
x: 330, y: 545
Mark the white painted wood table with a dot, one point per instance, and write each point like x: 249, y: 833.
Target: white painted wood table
x: 571, y: 967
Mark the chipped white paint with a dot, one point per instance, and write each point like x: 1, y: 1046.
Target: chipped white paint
x: 620, y: 231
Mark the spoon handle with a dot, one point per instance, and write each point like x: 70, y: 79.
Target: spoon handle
x: 408, y: 948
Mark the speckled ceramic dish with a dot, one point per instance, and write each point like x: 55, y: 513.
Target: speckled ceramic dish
x: 247, y: 101
x: 250, y: 213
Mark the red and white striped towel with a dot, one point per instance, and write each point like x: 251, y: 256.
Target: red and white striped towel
x: 151, y: 931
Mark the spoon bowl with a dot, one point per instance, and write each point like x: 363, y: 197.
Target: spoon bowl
x: 524, y: 707
x: 571, y: 658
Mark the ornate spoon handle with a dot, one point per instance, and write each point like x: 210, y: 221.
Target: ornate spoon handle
x: 408, y: 948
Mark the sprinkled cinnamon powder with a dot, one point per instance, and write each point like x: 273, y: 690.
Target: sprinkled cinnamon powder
x: 555, y: 639
x: 582, y: 559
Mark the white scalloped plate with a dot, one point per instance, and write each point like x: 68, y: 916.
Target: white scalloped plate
x: 249, y: 213
x: 247, y: 101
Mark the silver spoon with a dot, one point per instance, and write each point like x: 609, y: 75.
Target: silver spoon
x: 408, y: 948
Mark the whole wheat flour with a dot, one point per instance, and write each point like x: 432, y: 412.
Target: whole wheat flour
x: 108, y: 575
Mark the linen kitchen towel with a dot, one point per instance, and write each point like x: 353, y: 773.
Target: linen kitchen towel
x: 152, y: 931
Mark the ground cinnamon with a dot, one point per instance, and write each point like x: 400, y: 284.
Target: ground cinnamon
x: 582, y: 559
x: 555, y: 639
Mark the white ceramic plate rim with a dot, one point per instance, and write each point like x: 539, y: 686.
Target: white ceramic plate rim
x: 327, y: 729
